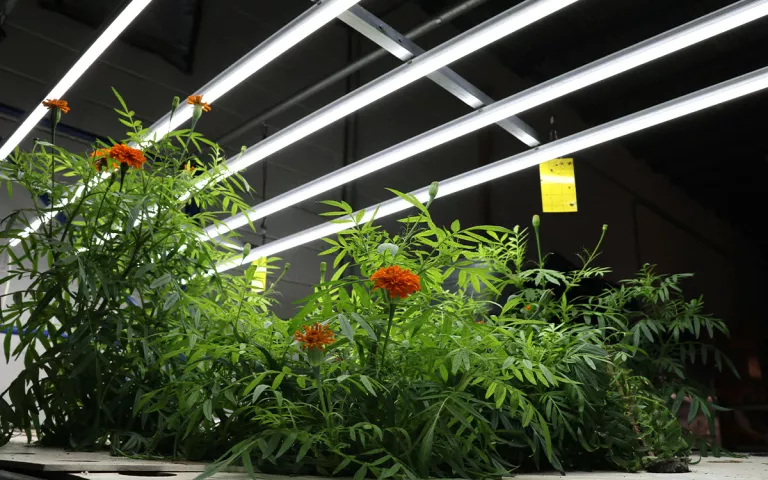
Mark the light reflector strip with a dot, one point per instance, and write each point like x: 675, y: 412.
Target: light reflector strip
x: 676, y: 39
x: 694, y: 102
x: 98, y: 47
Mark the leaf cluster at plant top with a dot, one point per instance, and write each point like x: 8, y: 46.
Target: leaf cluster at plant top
x: 430, y: 352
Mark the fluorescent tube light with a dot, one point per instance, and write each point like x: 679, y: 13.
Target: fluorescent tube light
x: 285, y: 38
x: 676, y: 39
x: 78, y: 69
x: 694, y: 102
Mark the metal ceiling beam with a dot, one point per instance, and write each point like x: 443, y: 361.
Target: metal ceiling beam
x: 405, y: 49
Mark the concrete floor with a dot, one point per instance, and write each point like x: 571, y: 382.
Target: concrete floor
x: 710, y: 468
x: 37, y: 462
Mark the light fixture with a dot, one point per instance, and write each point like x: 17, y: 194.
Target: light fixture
x: 694, y: 102
x: 106, y: 38
x: 478, y: 37
x: 310, y: 21
x: 470, y: 41
x: 303, y: 26
x: 676, y: 39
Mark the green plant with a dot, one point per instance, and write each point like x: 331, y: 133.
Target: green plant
x: 667, y: 333
x: 105, y: 276
x: 447, y: 353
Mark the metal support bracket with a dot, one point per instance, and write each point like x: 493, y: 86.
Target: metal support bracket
x: 400, y: 46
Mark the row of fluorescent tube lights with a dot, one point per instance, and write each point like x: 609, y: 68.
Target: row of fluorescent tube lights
x: 309, y: 22
x: 650, y: 117
x: 504, y: 24
x: 676, y: 39
x: 471, y: 41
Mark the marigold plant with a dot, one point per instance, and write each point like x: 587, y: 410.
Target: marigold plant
x: 432, y: 350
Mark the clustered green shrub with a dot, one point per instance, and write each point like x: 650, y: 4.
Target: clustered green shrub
x: 494, y: 363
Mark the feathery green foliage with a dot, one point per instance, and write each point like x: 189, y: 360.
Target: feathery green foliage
x: 132, y: 342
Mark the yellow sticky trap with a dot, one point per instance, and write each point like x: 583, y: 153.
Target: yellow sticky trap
x: 259, y: 281
x: 558, y: 186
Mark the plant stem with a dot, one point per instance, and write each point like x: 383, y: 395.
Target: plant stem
x: 538, y: 245
x: 53, y: 167
x: 389, y: 329
x: 321, y: 393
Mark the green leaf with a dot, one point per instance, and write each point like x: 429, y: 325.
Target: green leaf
x: 287, y: 443
x: 443, y: 372
x: 258, y: 391
x: 171, y: 300
x: 360, y: 473
x: 208, y: 409
x: 346, y: 328
x: 278, y: 380
x: 342, y: 465
x: 305, y: 448
x: 547, y: 374
x: 527, y: 364
x: 368, y: 385
x: 160, y: 281
x: 272, y: 444
x: 389, y: 472
x: 528, y: 415
x: 529, y: 375
x: 365, y: 326
x: 490, y: 390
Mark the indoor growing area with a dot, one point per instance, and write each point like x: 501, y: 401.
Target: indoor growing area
x: 377, y: 239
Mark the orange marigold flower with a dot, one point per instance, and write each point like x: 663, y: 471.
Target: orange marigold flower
x: 314, y: 336
x: 398, y: 282
x: 189, y: 168
x: 198, y: 100
x: 529, y: 307
x: 133, y: 157
x: 52, y: 103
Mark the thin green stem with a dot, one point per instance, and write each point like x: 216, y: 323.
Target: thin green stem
x: 538, y: 246
x: 321, y: 394
x: 53, y: 169
x: 594, y: 253
x: 391, y: 304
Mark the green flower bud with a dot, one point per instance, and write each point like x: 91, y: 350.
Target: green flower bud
x: 55, y: 116
x: 175, y: 103
x: 197, y: 111
x: 316, y: 356
x: 605, y: 227
x: 388, y: 247
x: 433, y: 190
x: 536, y: 221
x: 246, y: 248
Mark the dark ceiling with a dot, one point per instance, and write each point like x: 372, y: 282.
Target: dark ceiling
x: 719, y: 157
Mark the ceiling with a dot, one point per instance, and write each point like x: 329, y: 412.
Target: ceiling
x: 719, y: 157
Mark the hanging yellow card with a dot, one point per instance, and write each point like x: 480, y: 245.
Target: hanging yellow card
x: 259, y: 281
x: 558, y: 186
